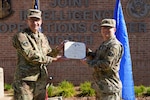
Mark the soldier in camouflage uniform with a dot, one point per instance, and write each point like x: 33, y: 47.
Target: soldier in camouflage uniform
x: 34, y: 54
x: 106, y: 63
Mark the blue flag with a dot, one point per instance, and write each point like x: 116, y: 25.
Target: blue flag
x: 125, y: 65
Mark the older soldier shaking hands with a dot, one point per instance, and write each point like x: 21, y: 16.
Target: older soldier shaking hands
x: 34, y: 54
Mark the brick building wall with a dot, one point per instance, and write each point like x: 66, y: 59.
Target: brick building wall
x: 57, y: 17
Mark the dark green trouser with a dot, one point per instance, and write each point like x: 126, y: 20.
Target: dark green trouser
x: 29, y: 90
x: 113, y: 96
x: 107, y: 96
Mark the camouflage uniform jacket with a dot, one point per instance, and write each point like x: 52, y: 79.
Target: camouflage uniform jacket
x: 106, y: 65
x: 32, y: 55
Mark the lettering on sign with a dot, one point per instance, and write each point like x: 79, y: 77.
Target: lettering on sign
x: 77, y: 22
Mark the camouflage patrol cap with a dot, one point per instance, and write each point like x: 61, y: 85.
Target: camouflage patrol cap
x: 34, y: 13
x: 108, y: 22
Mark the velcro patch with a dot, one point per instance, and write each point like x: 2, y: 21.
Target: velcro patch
x: 25, y: 43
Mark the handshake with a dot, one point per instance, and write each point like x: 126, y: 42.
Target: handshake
x: 57, y: 49
x: 89, y: 54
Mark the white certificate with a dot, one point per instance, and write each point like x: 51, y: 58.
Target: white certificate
x: 74, y: 50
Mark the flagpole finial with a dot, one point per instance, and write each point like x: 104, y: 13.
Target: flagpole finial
x: 36, y: 4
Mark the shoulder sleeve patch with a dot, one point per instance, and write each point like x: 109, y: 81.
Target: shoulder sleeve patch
x: 25, y: 43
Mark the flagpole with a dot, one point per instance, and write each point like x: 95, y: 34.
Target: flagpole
x: 36, y: 4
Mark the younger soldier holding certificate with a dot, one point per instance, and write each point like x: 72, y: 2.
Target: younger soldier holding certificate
x: 106, y: 63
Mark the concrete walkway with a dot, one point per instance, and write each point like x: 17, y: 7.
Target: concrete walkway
x: 10, y: 97
x: 6, y: 97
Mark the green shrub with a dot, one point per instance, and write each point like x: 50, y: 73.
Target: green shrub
x: 66, y: 89
x: 52, y: 90
x: 7, y: 87
x: 148, y: 91
x: 143, y: 88
x: 139, y: 90
x: 86, y: 89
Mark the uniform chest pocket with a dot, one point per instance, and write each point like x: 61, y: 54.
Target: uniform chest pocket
x: 102, y: 51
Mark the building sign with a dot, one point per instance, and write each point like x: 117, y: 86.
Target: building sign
x: 76, y: 20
